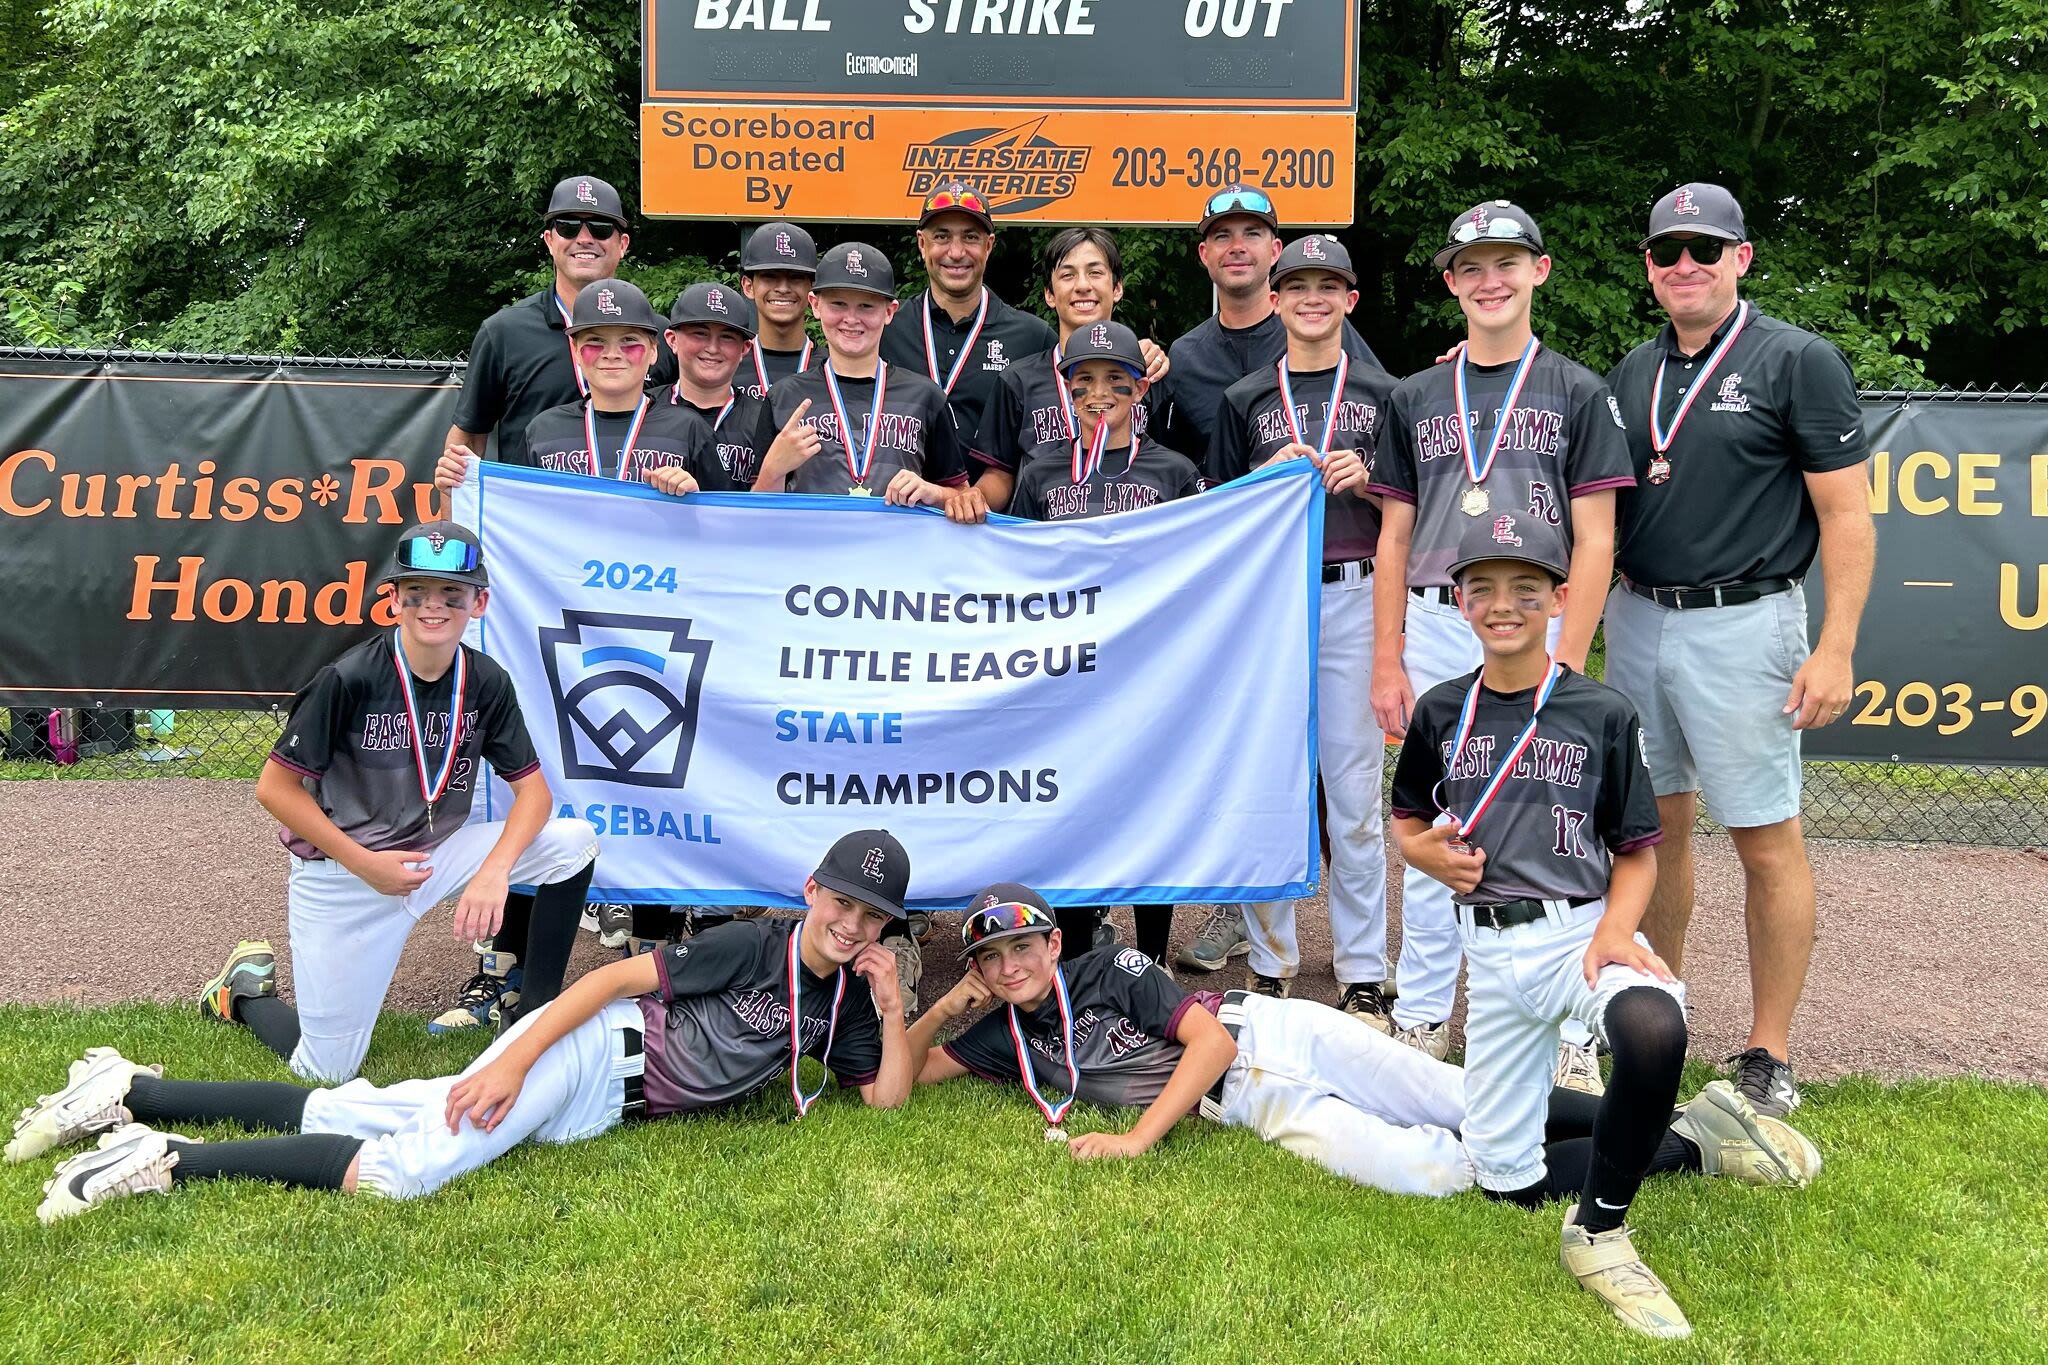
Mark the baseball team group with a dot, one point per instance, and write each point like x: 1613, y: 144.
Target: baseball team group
x: 1483, y: 519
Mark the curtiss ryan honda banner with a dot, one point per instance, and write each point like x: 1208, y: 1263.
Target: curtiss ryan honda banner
x: 1112, y: 710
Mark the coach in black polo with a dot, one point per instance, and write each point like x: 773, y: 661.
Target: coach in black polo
x: 1749, y: 449
x: 520, y: 363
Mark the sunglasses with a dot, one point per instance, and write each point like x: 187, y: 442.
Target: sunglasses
x: 997, y: 919
x: 1665, y: 251
x: 437, y: 552
x: 1496, y: 229
x: 948, y: 199
x: 600, y: 229
x: 590, y: 351
x: 1238, y: 201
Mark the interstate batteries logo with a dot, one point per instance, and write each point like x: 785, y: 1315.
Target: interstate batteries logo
x: 1018, y: 169
x: 625, y: 691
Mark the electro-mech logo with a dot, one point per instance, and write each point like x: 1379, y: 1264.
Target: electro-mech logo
x: 625, y: 691
x: 1016, y: 169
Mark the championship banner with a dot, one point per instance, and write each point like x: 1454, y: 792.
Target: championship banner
x: 201, y: 534
x: 1116, y: 710
x: 1952, y: 659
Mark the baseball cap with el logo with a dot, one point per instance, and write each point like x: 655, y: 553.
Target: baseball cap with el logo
x: 779, y: 246
x: 1495, y: 220
x: 957, y: 196
x: 714, y: 302
x: 585, y: 196
x: 870, y: 866
x: 1317, y: 251
x: 856, y: 265
x: 1000, y: 911
x: 1235, y: 200
x: 1698, y: 208
x: 442, y: 550
x: 1103, y: 341
x: 612, y: 303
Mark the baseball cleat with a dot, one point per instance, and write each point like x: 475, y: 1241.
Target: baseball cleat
x: 1430, y: 1039
x: 613, y: 923
x: 89, y: 1103
x: 909, y: 969
x: 1274, y: 987
x: 920, y: 926
x: 130, y: 1160
x: 1607, y: 1264
x: 1105, y: 931
x: 1737, y: 1142
x: 1220, y: 939
x: 1367, y: 1003
x: 499, y: 975
x: 1578, y: 1068
x: 250, y: 971
x: 1765, y: 1082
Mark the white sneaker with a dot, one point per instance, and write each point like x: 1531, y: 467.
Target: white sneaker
x: 1578, y: 1068
x: 1737, y: 1142
x: 1607, y: 1264
x: 130, y: 1160
x: 89, y: 1103
x: 1432, y: 1039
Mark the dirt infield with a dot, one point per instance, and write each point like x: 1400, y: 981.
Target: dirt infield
x: 1927, y: 963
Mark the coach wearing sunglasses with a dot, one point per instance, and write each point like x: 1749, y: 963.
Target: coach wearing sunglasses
x: 520, y: 363
x: 1749, y: 449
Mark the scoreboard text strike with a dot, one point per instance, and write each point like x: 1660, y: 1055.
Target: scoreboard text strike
x: 1060, y: 111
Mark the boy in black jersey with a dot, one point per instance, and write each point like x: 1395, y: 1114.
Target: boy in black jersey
x: 373, y: 780
x: 692, y: 1027
x: 1521, y: 786
x: 710, y: 331
x: 776, y: 267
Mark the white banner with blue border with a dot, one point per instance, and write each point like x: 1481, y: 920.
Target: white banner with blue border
x: 1112, y: 711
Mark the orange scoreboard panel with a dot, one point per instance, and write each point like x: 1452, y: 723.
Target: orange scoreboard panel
x: 1060, y: 111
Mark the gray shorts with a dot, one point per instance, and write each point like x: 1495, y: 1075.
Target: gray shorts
x: 1710, y: 687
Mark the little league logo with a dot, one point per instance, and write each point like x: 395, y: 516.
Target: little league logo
x: 1684, y: 204
x: 608, y: 303
x: 715, y: 300
x: 625, y: 690
x: 855, y: 265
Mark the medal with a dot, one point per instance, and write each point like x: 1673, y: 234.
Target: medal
x: 625, y: 447
x: 432, y: 785
x: 1660, y: 469
x: 1475, y: 501
x: 858, y: 458
x: 582, y: 384
x: 1662, y: 437
x: 796, y: 1049
x: 1466, y: 718
x: 761, y: 369
x: 931, y: 346
x: 1330, y: 409
x: 1053, y: 1112
x: 858, y: 492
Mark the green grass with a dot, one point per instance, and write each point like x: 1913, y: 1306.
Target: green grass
x: 950, y: 1231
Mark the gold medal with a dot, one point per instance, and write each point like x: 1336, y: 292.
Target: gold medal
x: 1055, y: 1134
x: 858, y: 491
x: 1474, y: 502
x: 1660, y: 469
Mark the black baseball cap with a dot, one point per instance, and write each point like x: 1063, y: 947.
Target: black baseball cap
x: 440, y: 550
x: 870, y: 866
x: 714, y: 302
x: 1495, y: 220
x: 1234, y: 200
x: 779, y: 246
x: 612, y: 303
x: 1003, y: 910
x: 1317, y: 251
x: 957, y: 196
x: 1700, y: 209
x: 586, y: 196
x: 1491, y: 538
x: 856, y: 265
x: 1103, y: 341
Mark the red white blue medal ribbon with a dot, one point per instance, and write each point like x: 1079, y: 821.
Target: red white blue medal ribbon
x: 432, y: 784
x: 1660, y: 437
x: 931, y: 345
x: 796, y: 1047
x: 675, y: 395
x: 1467, y: 422
x: 761, y: 367
x: 1329, y: 416
x: 1466, y: 718
x: 1084, y: 462
x: 582, y: 384
x: 625, y: 448
x: 858, y: 460
x: 1053, y: 1112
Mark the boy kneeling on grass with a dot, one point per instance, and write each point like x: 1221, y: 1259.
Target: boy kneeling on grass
x: 695, y: 1026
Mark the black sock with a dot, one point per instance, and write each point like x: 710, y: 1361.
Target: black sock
x: 1572, y: 1115
x: 1646, y: 1033
x: 1570, y: 1163
x: 544, y: 954
x: 518, y: 918
x: 275, y: 1024
x: 253, y: 1104
x: 1155, y: 927
x: 1077, y: 929
x: 310, y: 1161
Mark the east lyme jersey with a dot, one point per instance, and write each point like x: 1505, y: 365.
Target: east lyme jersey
x: 915, y: 432
x: 1578, y: 794
x: 349, y: 739
x: 1252, y: 427
x: 1564, y: 439
x: 741, y: 432
x: 669, y: 436
x: 1208, y: 359
x: 763, y: 367
x: 1123, y: 482
x: 716, y: 1029
x: 1125, y: 1013
x: 1026, y: 420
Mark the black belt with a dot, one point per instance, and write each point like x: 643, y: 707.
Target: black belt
x: 1334, y: 573
x: 1447, y: 596
x: 1728, y: 595
x: 1511, y: 914
x: 1231, y: 1016
x: 634, y: 1108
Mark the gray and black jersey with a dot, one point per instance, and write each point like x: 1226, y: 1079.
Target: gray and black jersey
x: 1126, y: 1011
x: 1123, y: 482
x: 1252, y: 427
x: 349, y: 739
x: 763, y: 367
x: 740, y: 434
x: 915, y: 433
x: 1208, y: 359
x: 1564, y: 440
x: 670, y: 436
x: 1025, y: 419
x: 717, y: 1027
x: 1579, y: 794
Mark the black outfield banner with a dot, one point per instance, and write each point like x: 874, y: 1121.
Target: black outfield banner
x: 188, y: 532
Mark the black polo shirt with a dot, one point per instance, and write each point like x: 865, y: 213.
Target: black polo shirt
x: 520, y: 366
x: 1212, y: 357
x: 1007, y: 336
x: 1732, y: 505
x: 1254, y: 428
